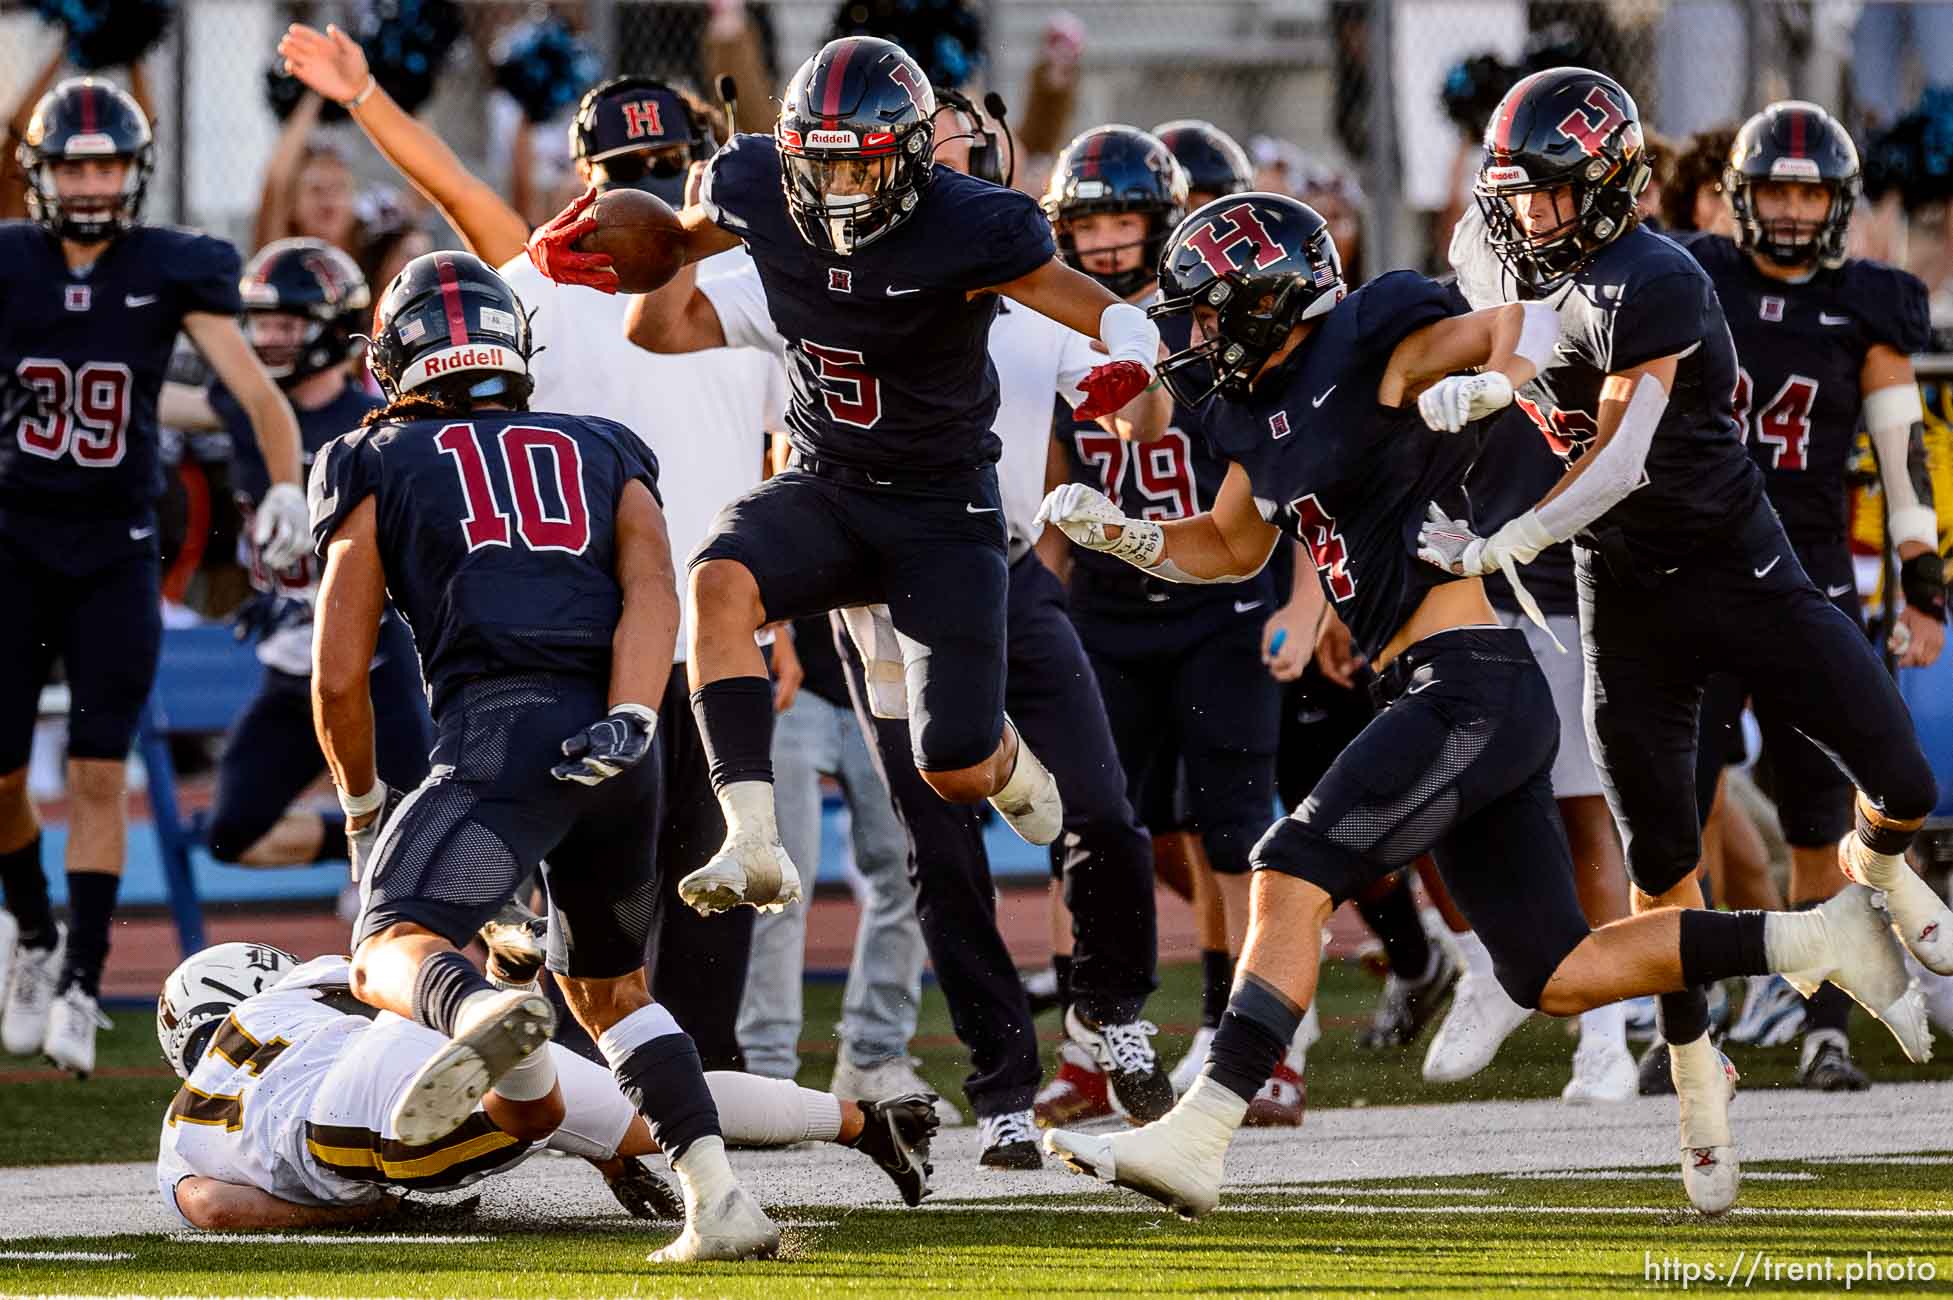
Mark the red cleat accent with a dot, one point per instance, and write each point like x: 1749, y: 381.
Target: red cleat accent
x: 1281, y: 1101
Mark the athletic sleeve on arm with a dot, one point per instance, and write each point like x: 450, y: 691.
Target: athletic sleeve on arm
x: 203, y: 274
x: 740, y: 299
x: 1660, y: 318
x: 343, y: 475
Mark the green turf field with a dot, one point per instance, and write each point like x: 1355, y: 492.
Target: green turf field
x: 115, y: 1115
x: 1484, y: 1235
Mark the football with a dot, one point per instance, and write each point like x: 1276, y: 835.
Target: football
x: 640, y: 234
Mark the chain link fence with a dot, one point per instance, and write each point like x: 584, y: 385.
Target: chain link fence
x: 1386, y: 89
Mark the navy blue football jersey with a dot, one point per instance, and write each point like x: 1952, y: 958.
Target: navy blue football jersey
x: 1178, y: 476
x: 1514, y: 470
x: 497, y: 534
x: 887, y: 353
x: 1641, y: 298
x: 82, y: 359
x: 1800, y: 349
x: 250, y: 479
x: 1350, y: 479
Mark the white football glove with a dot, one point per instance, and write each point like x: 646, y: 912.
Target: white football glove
x: 283, y: 526
x: 1451, y: 545
x: 1456, y: 400
x: 1083, y: 514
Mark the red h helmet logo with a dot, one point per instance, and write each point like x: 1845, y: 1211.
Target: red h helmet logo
x: 641, y: 118
x: 1243, y: 226
x: 1591, y: 134
x: 920, y: 95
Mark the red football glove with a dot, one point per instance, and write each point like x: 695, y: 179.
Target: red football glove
x: 553, y: 248
x: 1109, y: 387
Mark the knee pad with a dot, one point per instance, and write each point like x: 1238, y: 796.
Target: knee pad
x: 873, y: 634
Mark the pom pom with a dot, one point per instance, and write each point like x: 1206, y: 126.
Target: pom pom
x: 109, y: 33
x: 544, y: 67
x: 944, y: 36
x: 405, y: 42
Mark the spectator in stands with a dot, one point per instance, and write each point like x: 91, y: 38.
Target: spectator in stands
x: 1690, y: 176
x: 1886, y: 30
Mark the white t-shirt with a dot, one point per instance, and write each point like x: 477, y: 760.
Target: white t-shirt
x: 1036, y: 358
x: 704, y: 414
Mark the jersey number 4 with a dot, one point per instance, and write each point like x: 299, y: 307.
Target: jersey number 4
x: 84, y: 414
x: 1317, y: 529
x: 1784, y: 423
x: 533, y: 460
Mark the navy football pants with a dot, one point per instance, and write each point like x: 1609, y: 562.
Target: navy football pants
x: 1747, y: 607
x: 1108, y: 867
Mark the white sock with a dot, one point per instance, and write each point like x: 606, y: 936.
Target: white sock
x: 704, y: 1172
x: 748, y: 806
x: 1879, y: 870
x: 760, y: 1112
x: 1695, y: 1066
x: 1608, y: 1023
x: 1796, y: 941
x: 1478, y: 961
x: 531, y: 1078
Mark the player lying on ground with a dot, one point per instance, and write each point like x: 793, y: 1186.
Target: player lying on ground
x: 883, y: 271
x: 1318, y: 408
x: 528, y: 553
x: 283, y: 1120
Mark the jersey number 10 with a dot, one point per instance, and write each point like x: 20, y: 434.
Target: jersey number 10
x: 532, y: 458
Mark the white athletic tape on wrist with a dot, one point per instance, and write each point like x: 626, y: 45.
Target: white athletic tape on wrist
x: 358, y: 805
x: 1129, y: 335
x: 1141, y: 542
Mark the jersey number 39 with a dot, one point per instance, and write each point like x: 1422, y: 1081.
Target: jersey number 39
x: 544, y: 471
x: 83, y: 414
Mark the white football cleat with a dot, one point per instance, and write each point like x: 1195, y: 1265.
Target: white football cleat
x: 443, y: 1093
x: 71, y: 1026
x: 30, y: 996
x: 1156, y: 1161
x: 731, y: 1226
x: 1866, y: 961
x: 1603, y: 1072
x: 1193, y: 1062
x: 1921, y: 917
x: 887, y: 1080
x: 1711, y: 1174
x: 9, y: 944
x: 1938, y: 990
x: 1029, y: 802
x: 748, y: 868
x: 1481, y: 1017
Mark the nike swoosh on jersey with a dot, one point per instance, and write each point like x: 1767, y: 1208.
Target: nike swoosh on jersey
x: 1839, y: 590
x: 1826, y: 318
x: 1323, y: 396
x: 138, y: 299
x: 1245, y: 606
x: 980, y: 510
x: 141, y: 534
x: 894, y: 292
x: 1764, y: 572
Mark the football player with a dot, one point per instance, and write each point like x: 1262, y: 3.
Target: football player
x: 1323, y: 404
x: 883, y: 271
x: 303, y: 302
x: 1049, y: 694
x: 1179, y: 667
x: 284, y: 1116
x: 1214, y: 162
x: 705, y: 417
x: 1677, y: 543
x: 91, y: 303
x: 1822, y: 341
x: 528, y: 554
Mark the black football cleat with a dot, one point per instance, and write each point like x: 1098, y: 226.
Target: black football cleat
x: 1407, y: 1007
x: 1656, y: 1077
x: 895, y: 1134
x: 641, y: 1190
x: 1010, y: 1141
x: 1828, y: 1066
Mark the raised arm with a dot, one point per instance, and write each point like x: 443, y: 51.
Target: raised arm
x: 332, y: 65
x: 274, y: 215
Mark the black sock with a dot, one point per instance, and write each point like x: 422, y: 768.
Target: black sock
x: 1216, y: 983
x: 664, y: 1080
x: 1828, y: 1008
x: 443, y: 982
x: 332, y: 838
x: 25, y: 884
x: 1721, y: 945
x: 1682, y: 1017
x: 1394, y: 918
x: 735, y: 722
x: 1061, y: 973
x: 1254, y: 1035
x: 91, y: 906
x: 1881, y: 837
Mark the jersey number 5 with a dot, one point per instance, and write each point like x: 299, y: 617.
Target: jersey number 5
x: 851, y: 394
x: 533, y: 459
x: 84, y: 414
x: 1317, y: 529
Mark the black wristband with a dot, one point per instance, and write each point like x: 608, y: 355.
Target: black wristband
x: 1923, y: 580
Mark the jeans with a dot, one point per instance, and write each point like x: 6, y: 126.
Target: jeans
x: 878, y: 1010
